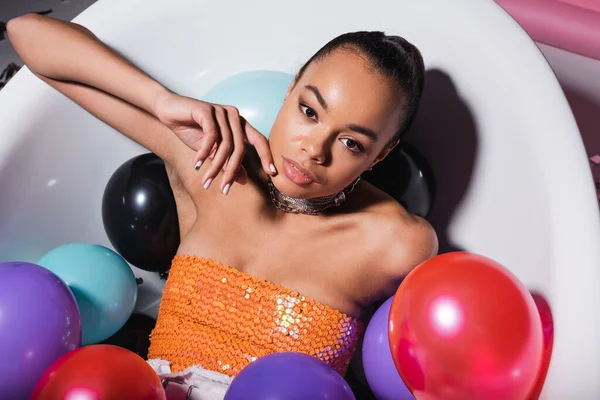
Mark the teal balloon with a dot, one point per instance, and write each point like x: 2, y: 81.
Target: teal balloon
x: 102, y: 282
x: 258, y: 95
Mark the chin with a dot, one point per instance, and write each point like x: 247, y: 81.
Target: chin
x: 285, y: 186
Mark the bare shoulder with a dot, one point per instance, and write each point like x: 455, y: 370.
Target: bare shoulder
x: 405, y: 240
x: 401, y: 240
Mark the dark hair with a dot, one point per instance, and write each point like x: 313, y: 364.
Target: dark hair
x: 392, y: 56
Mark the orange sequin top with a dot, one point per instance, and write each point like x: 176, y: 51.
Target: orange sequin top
x: 222, y: 319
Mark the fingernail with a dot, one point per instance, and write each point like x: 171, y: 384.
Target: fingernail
x: 198, y: 165
x: 207, y: 184
x: 272, y: 167
x: 226, y: 189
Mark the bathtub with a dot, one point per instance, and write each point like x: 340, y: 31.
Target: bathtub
x: 512, y: 177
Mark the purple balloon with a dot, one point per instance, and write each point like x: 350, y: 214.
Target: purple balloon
x: 383, y: 377
x: 288, y: 376
x: 39, y: 322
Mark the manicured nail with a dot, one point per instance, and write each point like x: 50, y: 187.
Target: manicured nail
x: 198, y: 165
x: 207, y: 184
x: 226, y: 189
x: 272, y: 167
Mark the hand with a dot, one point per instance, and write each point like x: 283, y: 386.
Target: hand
x: 213, y: 130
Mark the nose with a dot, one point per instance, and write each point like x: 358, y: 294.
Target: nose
x: 315, y: 144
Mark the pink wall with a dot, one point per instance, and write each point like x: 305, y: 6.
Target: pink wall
x: 593, y: 5
x: 572, y: 25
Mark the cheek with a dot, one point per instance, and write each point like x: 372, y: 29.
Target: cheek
x: 286, y: 126
x: 277, y: 130
x: 345, y: 167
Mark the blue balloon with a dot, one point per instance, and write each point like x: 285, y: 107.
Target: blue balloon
x: 257, y: 94
x: 102, y: 282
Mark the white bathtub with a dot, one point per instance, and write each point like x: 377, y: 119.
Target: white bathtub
x: 512, y: 176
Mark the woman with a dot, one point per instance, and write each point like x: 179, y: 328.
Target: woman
x: 283, y: 247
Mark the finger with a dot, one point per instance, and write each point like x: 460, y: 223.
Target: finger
x: 211, y: 156
x: 242, y: 176
x: 206, y: 119
x: 223, y: 150
x: 260, y: 143
x: 239, y: 148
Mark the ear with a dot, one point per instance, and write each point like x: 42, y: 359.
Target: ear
x: 386, y: 150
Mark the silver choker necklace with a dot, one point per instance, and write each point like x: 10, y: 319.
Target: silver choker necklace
x: 308, y: 206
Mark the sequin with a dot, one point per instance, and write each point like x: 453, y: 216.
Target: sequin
x: 222, y: 319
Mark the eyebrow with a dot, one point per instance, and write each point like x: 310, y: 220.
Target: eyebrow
x: 353, y: 127
x: 320, y: 98
x: 363, y: 131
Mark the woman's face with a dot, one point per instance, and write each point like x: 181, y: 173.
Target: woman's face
x: 335, y: 123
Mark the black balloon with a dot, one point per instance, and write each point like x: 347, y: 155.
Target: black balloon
x: 140, y: 215
x: 406, y: 176
x: 134, y: 335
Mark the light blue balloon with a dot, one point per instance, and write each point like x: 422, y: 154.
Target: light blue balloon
x: 257, y: 94
x: 102, y: 282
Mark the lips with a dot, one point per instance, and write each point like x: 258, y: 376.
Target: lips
x: 297, y: 174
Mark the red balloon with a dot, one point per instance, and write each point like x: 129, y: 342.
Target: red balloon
x: 99, y: 372
x: 463, y: 327
x: 548, y: 330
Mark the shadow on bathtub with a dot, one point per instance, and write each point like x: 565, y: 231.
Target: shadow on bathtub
x: 445, y: 133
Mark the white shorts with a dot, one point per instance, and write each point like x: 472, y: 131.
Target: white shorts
x: 195, y: 383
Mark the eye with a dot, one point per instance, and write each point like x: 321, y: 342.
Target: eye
x: 352, y: 145
x: 309, y: 112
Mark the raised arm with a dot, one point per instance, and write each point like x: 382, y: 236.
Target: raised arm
x: 180, y: 130
x: 70, y: 52
x: 71, y: 59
